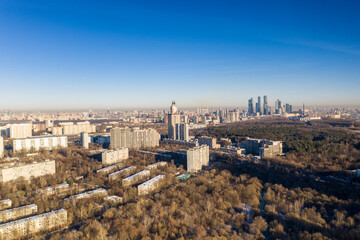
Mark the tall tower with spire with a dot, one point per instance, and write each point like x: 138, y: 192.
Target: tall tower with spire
x: 174, y: 118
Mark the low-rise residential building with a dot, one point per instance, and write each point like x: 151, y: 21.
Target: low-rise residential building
x: 235, y: 150
x: 263, y: 147
x: 156, y: 165
x: 35, y: 169
x: 58, y: 189
x: 100, y: 192
x: 123, y: 172
x: 107, y: 170
x: 113, y: 199
x: 19, y: 212
x: 181, y: 142
x: 135, y: 178
x: 211, y: 142
x: 4, y: 204
x: 31, y: 225
x: 150, y: 185
x: 111, y: 157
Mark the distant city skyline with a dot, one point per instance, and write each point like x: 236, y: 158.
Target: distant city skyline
x: 65, y: 55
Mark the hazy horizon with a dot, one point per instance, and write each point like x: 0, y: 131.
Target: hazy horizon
x: 159, y: 108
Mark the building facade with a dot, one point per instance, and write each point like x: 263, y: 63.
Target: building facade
x: 211, y: 142
x: 266, y: 110
x: 69, y: 128
x: 133, y: 138
x: 150, y: 185
x: 27, y: 171
x: 182, y: 132
x: 123, y: 172
x: 38, y: 142
x: 100, y: 192
x: 157, y: 165
x: 111, y: 168
x: 22, y: 130
x: 58, y: 189
x: 263, y: 147
x: 1, y: 146
x: 136, y: 178
x: 111, y: 157
x: 31, y: 225
x: 173, y: 119
x: 19, y: 212
x: 197, y: 158
x: 84, y: 139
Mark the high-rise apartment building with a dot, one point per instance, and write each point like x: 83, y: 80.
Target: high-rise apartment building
x: 251, y: 106
x: 22, y: 130
x: 69, y: 128
x: 173, y: 119
x: 182, y: 132
x: 84, y: 140
x: 197, y: 158
x: 133, y: 138
x: 233, y: 115
x: 1, y: 147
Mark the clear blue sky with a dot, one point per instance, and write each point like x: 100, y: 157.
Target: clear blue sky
x: 81, y: 54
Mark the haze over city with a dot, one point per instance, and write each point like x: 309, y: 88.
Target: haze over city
x: 199, y: 120
x: 141, y: 54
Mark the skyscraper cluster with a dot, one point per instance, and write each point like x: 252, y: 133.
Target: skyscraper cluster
x: 265, y: 109
x: 258, y: 110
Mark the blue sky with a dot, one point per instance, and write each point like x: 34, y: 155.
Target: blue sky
x: 81, y: 54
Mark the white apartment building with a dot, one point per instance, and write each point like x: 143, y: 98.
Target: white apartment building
x: 84, y: 139
x: 19, y: 212
x: 27, y: 171
x: 111, y: 157
x: 135, y: 178
x: 69, y: 128
x: 35, y: 143
x: 156, y: 165
x: 133, y: 138
x: 123, y: 172
x: 110, y: 168
x: 1, y: 147
x: 31, y: 225
x: 197, y: 158
x: 150, y: 185
x: 100, y: 192
x: 22, y: 130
